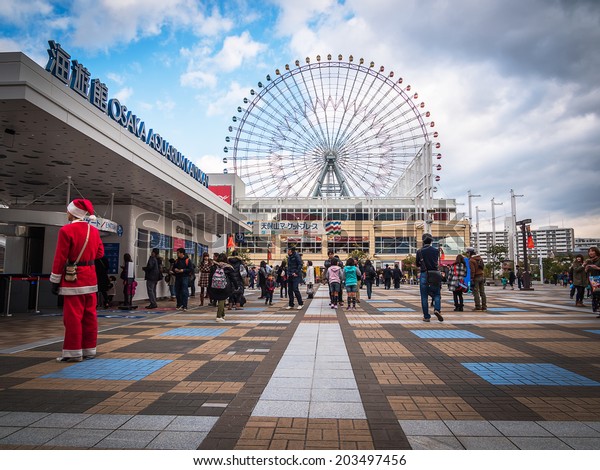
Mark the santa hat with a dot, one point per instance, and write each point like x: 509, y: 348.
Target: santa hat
x: 81, y: 208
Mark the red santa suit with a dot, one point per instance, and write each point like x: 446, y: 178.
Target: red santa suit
x: 79, y: 310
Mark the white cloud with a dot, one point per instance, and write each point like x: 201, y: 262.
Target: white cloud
x: 203, y: 69
x: 117, y: 78
x: 227, y: 102
x: 210, y: 164
x: 124, y: 94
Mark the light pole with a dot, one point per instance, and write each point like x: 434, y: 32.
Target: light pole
x: 494, y: 220
x: 471, y: 196
x: 512, y: 247
x: 477, y: 211
x: 526, y: 274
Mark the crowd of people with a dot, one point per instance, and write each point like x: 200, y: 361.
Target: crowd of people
x: 465, y: 274
x: 80, y: 274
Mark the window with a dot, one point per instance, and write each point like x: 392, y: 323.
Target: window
x: 255, y: 244
x: 346, y: 245
x: 305, y: 245
x: 142, y: 245
x: 395, y: 245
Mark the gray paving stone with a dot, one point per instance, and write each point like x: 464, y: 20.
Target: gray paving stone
x: 20, y: 418
x: 593, y: 424
x: 335, y: 395
x: 334, y: 374
x: 100, y: 421
x: 176, y: 440
x: 422, y: 427
x: 7, y: 431
x: 192, y: 423
x: 283, y: 409
x: 487, y: 443
x: 335, y: 383
x: 290, y: 382
x: 127, y: 439
x: 81, y: 438
x: 31, y: 436
x: 472, y: 428
x: 434, y: 443
x: 293, y: 372
x: 148, y: 422
x: 60, y: 420
x: 337, y: 411
x: 569, y: 429
x: 520, y: 428
x: 539, y: 443
x: 286, y: 394
x: 582, y: 443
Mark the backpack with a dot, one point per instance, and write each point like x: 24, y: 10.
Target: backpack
x: 480, y: 264
x: 370, y: 274
x: 219, y: 279
x: 243, y: 270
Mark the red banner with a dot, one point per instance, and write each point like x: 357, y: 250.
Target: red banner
x: 223, y: 191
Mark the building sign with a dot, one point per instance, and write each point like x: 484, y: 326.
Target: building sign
x: 104, y: 225
x: 223, y: 191
x: 288, y: 227
x: 78, y: 78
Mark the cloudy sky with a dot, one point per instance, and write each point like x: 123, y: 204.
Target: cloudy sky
x: 513, y: 85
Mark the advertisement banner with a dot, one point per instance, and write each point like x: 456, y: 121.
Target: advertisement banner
x: 223, y: 191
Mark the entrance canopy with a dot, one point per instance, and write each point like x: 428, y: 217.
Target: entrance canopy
x: 49, y: 133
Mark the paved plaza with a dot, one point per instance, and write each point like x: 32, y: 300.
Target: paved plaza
x: 523, y: 375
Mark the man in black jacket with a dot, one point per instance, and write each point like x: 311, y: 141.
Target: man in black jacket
x: 182, y: 269
x: 153, y: 274
x: 294, y: 269
x: 430, y: 278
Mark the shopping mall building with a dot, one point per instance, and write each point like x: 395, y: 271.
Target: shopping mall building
x: 62, y: 136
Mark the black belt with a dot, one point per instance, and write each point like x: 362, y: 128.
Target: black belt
x: 86, y: 263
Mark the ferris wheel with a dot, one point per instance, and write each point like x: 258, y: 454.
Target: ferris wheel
x: 328, y: 129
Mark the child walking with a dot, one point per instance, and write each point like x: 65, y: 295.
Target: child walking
x: 270, y: 288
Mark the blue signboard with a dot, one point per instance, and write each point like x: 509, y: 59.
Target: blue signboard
x: 111, y: 251
x: 201, y: 249
x: 160, y: 241
x: 189, y: 246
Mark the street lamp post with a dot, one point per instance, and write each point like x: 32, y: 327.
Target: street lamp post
x: 477, y: 211
x: 471, y: 211
x: 512, y: 245
x: 526, y: 274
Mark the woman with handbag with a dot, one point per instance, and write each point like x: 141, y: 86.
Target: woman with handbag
x: 456, y: 282
x: 592, y: 268
x: 203, y: 272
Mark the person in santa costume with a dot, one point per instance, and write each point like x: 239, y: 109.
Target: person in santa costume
x: 78, y: 242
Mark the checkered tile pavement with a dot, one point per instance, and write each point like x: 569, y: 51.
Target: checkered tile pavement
x: 524, y: 375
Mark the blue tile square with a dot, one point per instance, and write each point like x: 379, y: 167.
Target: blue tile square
x: 193, y: 332
x: 593, y: 331
x: 110, y: 369
x: 454, y: 334
x: 527, y: 374
x: 395, y: 309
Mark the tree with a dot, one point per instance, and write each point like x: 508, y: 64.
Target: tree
x: 360, y: 255
x: 408, y: 264
x: 497, y: 254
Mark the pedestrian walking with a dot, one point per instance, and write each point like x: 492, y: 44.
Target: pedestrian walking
x: 203, y: 273
x: 351, y: 274
x: 74, y: 277
x: 222, y: 283
x: 477, y: 280
x: 294, y: 276
x: 153, y: 274
x: 181, y: 269
x: 430, y: 278
x: 592, y: 269
x: 579, y: 279
x: 369, y: 276
x: 456, y: 282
